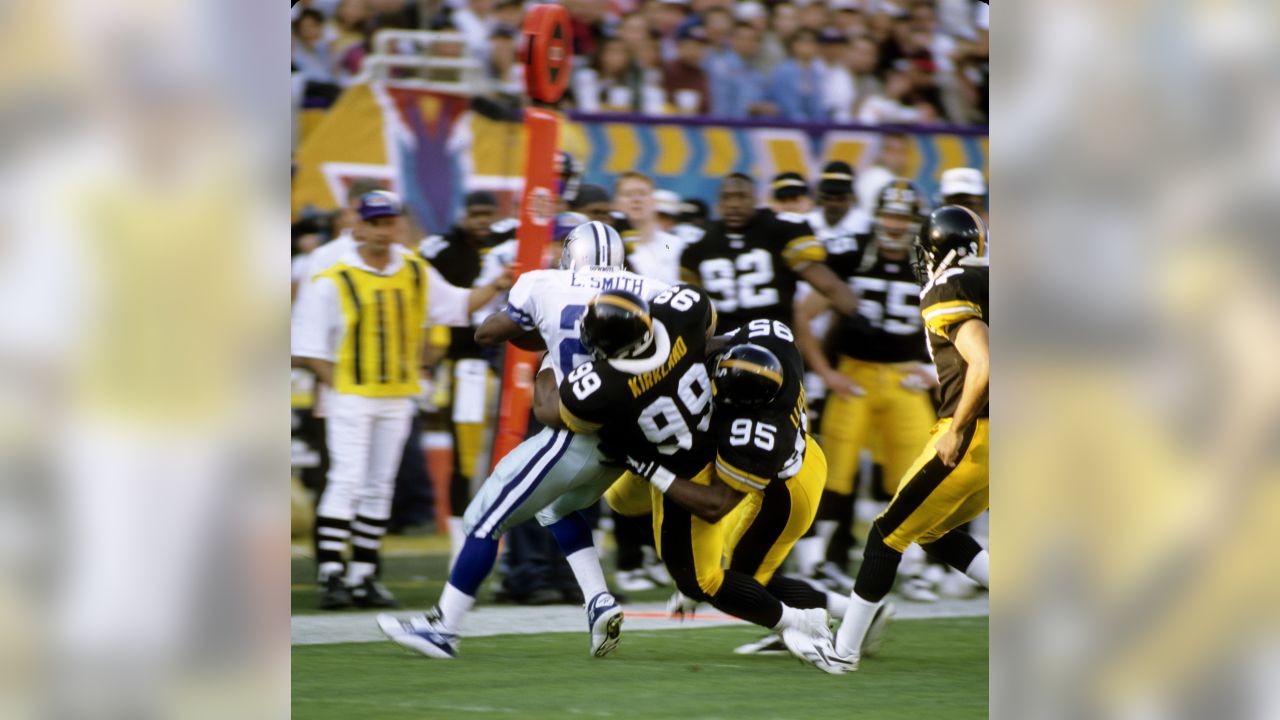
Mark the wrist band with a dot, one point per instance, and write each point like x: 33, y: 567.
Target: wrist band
x: 662, y: 479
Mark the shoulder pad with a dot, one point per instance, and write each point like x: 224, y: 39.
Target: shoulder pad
x: 504, y: 226
x: 432, y: 245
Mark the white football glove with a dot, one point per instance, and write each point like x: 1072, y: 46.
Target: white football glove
x: 680, y: 605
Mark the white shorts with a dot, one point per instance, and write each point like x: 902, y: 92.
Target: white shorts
x: 549, y: 476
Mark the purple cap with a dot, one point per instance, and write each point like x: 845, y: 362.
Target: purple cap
x: 378, y: 203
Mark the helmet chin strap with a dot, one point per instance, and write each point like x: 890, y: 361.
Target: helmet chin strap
x: 943, y: 264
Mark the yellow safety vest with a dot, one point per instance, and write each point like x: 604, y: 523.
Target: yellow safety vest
x: 382, y: 339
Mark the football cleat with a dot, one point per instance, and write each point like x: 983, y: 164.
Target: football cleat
x: 679, y: 605
x: 421, y: 633
x: 767, y: 645
x: 812, y: 642
x: 655, y: 568
x: 334, y: 594
x: 604, y: 620
x: 874, y: 638
x: 371, y: 594
x: 634, y: 580
x: 918, y: 589
x: 835, y: 579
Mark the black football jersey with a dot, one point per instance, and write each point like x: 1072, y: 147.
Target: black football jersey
x: 755, y: 446
x: 752, y: 274
x: 457, y: 261
x: 656, y: 409
x: 956, y: 295
x: 887, y: 328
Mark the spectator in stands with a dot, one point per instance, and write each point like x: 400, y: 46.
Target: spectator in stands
x: 891, y: 162
x: 634, y: 32
x: 684, y: 80
x: 719, y: 25
x: 848, y: 18
x: 586, y: 19
x: 894, y: 103
x: 812, y: 14
x: 736, y: 86
x: 838, y: 92
x: 349, y: 28
x: 864, y: 57
x: 796, y: 85
x: 509, y: 13
x: 476, y: 22
x: 313, y: 58
x: 506, y: 76
x: 612, y: 81
x: 665, y: 18
x: 775, y: 31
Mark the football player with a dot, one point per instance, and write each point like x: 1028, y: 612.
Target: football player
x: 649, y: 397
x: 555, y: 473
x: 769, y: 470
x: 947, y: 484
x: 837, y: 219
x: 750, y: 259
x: 881, y: 380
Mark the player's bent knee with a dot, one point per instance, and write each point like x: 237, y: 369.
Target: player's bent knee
x: 709, y: 581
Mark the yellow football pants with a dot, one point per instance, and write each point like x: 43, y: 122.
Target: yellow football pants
x: 933, y: 499
x: 890, y: 419
x: 754, y: 538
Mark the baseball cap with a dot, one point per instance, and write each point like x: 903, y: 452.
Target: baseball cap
x: 831, y: 36
x: 691, y: 31
x: 788, y: 185
x: 962, y: 181
x: 378, y: 203
x: 836, y: 178
x: 590, y: 194
x: 666, y: 202
x: 748, y: 11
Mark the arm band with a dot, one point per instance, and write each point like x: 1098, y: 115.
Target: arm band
x: 662, y: 479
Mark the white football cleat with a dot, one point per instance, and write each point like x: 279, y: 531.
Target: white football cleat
x: 767, y: 645
x: 679, y: 605
x: 874, y: 638
x: 604, y: 620
x: 835, y: 579
x: 634, y: 580
x: 812, y: 642
x: 421, y: 633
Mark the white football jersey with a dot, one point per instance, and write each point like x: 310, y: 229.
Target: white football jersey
x: 552, y: 302
x: 839, y: 238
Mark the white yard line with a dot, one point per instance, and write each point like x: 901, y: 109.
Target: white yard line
x: 335, y: 628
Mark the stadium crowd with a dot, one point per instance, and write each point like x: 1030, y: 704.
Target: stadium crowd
x: 866, y: 61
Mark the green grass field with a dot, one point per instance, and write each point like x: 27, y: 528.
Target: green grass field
x: 933, y: 668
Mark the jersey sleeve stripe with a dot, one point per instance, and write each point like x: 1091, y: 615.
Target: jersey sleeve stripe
x: 804, y: 250
x: 939, y: 316
x: 575, y: 423
x: 522, y: 318
x: 739, y: 480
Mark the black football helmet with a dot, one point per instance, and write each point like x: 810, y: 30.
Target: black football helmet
x: 901, y: 201
x: 747, y: 376
x: 950, y: 233
x: 615, y: 325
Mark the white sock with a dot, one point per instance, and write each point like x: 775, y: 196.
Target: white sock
x: 837, y: 604
x: 791, y: 617
x: 826, y: 529
x: 328, y: 569
x: 854, y: 628
x: 585, y: 564
x: 457, y: 536
x: 808, y: 552
x: 980, y: 569
x: 454, y: 605
x: 358, y: 571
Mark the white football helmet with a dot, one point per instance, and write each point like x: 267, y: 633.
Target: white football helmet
x: 592, y: 244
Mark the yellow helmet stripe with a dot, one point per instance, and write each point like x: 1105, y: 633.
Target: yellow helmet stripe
x: 754, y: 368
x: 625, y: 304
